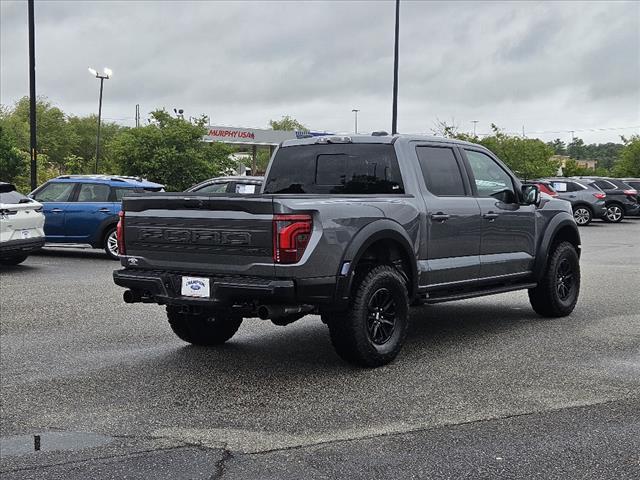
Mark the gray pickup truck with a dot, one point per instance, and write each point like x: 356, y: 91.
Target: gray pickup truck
x: 355, y: 229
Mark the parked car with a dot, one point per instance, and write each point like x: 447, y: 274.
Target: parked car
x: 545, y: 187
x: 83, y: 209
x: 238, y: 184
x: 587, y: 201
x: 21, y: 225
x: 355, y: 229
x: 635, y: 184
x: 621, y: 199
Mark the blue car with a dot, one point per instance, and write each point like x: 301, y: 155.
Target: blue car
x: 83, y: 209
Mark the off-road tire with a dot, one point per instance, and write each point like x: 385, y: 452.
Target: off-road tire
x: 358, y: 335
x: 106, y: 243
x: 204, y: 329
x: 558, y: 290
x: 13, y: 260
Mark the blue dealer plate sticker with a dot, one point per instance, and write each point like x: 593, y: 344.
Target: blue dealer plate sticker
x: 195, y: 287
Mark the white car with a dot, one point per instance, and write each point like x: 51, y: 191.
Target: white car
x: 21, y: 225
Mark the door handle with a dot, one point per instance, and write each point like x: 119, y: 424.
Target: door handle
x: 56, y: 210
x: 572, y: 196
x: 104, y: 210
x: 439, y: 217
x: 491, y: 216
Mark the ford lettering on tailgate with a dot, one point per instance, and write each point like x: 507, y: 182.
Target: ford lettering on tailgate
x: 194, y: 236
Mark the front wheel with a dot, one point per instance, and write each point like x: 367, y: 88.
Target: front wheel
x: 204, y: 329
x: 615, y: 213
x: 111, y: 243
x: 582, y: 215
x: 557, y: 293
x: 373, y: 329
x: 14, y: 260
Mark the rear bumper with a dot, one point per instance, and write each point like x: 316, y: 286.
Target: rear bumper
x: 164, y: 288
x: 632, y: 209
x: 19, y: 247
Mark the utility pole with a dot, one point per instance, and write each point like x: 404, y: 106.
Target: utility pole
x: 355, y: 110
x: 475, y: 122
x: 523, y: 131
x: 394, y: 112
x: 107, y: 75
x: 32, y: 96
x: 137, y: 115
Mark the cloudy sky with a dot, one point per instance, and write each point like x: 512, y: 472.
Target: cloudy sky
x: 550, y: 66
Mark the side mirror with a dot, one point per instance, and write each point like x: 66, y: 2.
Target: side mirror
x: 530, y: 194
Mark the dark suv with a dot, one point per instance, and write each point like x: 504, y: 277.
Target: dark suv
x: 587, y: 201
x: 621, y: 199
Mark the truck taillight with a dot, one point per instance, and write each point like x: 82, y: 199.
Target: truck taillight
x: 120, y: 233
x: 291, y: 235
x: 600, y: 196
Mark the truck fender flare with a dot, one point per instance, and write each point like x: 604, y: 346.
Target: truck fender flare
x: 564, y: 224
x: 383, y: 229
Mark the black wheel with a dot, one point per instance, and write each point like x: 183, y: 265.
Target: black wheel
x: 204, y: 329
x: 615, y: 213
x: 557, y: 293
x: 373, y: 329
x: 110, y: 243
x: 582, y: 215
x: 14, y: 260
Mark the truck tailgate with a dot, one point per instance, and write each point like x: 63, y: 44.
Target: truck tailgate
x: 216, y: 234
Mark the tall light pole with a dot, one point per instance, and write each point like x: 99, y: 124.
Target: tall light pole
x: 394, y: 110
x: 32, y: 95
x: 107, y: 73
x: 475, y: 122
x: 355, y: 110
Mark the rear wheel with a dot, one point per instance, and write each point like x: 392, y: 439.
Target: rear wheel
x: 373, y: 329
x: 615, y: 213
x: 13, y: 260
x: 205, y: 329
x: 111, y: 243
x: 582, y: 215
x: 557, y: 292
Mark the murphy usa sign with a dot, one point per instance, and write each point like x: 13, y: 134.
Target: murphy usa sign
x: 255, y: 136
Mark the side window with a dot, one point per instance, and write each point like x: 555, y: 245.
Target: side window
x: 214, y: 188
x: 119, y: 192
x: 441, y: 171
x: 93, y: 192
x: 490, y: 179
x: 560, y: 186
x: 55, y: 192
x: 604, y: 185
x: 573, y: 187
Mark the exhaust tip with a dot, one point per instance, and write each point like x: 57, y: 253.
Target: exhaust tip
x: 129, y: 296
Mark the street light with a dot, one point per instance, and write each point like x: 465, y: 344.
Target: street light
x: 107, y: 74
x: 355, y: 110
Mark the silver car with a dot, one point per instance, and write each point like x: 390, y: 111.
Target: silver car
x: 587, y: 201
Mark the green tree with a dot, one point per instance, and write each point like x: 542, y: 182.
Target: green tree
x: 559, y: 147
x: 287, y: 123
x: 81, y: 158
x: 527, y: 157
x: 576, y: 149
x: 12, y: 163
x: 170, y: 151
x: 571, y: 168
x: 629, y: 163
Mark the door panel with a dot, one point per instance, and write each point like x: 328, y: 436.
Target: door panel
x: 452, y: 219
x: 507, y: 245
x: 54, y: 197
x: 85, y: 216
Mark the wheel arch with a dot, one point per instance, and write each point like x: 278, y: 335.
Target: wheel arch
x: 561, y: 228
x: 384, y: 239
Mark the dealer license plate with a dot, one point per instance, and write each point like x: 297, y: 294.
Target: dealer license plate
x: 195, y: 287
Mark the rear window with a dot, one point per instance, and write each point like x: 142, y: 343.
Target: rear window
x: 336, y: 169
x: 13, y: 197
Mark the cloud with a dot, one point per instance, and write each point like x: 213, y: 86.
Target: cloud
x: 549, y: 66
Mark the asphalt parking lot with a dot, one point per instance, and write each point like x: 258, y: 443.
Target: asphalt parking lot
x: 484, y: 388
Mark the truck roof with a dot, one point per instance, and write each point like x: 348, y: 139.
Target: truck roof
x: 383, y: 139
